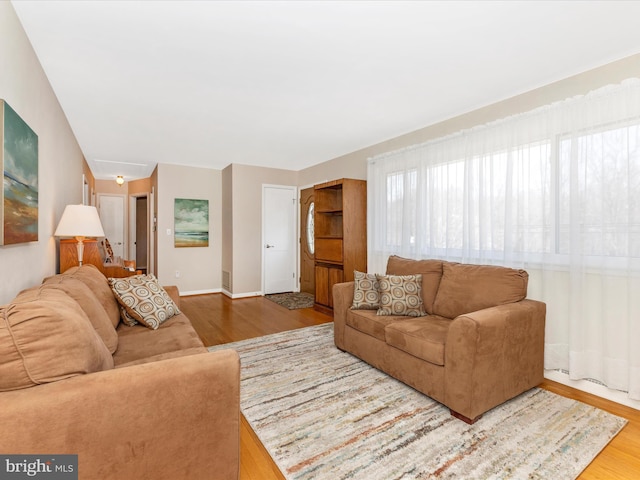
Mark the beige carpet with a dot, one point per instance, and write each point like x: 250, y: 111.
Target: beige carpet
x: 324, y: 414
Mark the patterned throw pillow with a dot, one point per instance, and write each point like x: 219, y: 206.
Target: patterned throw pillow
x: 400, y: 295
x: 126, y: 318
x: 365, y: 293
x: 144, y: 300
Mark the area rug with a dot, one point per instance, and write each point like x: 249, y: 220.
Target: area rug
x: 324, y: 414
x: 292, y: 300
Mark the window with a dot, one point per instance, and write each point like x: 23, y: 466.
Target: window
x: 401, y: 193
x: 311, y: 244
x: 555, y: 191
x: 599, y: 192
x: 532, y: 198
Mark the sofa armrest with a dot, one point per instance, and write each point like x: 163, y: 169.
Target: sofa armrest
x: 342, y: 301
x: 174, y: 293
x: 176, y: 418
x: 493, y: 355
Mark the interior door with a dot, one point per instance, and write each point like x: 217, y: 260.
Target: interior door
x: 111, y: 211
x: 141, y: 233
x: 279, y: 233
x: 307, y: 276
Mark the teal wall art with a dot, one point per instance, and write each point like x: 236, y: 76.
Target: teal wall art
x: 19, y: 159
x: 191, y: 223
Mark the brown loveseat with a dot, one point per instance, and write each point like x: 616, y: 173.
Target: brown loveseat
x: 131, y: 402
x: 480, y: 344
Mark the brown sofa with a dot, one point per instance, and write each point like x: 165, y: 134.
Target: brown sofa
x: 480, y: 344
x: 131, y: 402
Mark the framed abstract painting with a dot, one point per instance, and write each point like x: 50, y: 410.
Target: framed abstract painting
x: 19, y: 160
x: 191, y: 223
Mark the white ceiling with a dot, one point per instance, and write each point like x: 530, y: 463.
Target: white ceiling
x: 292, y: 84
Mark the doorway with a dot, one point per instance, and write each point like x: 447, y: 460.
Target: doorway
x: 279, y: 234
x: 112, y: 216
x: 307, y: 248
x: 139, y: 231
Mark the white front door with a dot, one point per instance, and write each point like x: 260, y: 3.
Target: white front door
x: 111, y: 211
x: 279, y: 247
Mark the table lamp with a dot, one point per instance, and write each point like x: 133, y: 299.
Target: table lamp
x: 79, y: 221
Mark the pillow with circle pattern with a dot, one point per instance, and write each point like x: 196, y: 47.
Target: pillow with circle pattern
x: 144, y: 300
x: 365, y: 293
x: 400, y: 295
x: 126, y: 318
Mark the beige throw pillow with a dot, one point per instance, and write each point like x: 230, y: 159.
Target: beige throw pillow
x: 365, y: 293
x: 144, y: 300
x: 401, y: 295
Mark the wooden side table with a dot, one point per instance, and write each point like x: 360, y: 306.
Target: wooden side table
x: 69, y: 258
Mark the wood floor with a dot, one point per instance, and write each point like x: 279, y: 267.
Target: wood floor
x: 218, y: 319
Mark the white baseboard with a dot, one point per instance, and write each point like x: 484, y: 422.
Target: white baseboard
x: 200, y: 292
x: 593, y: 388
x: 241, y: 295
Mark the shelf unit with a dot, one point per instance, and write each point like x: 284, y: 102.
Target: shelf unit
x: 340, y: 224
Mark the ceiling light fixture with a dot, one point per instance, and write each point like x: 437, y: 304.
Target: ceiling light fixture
x: 120, y: 180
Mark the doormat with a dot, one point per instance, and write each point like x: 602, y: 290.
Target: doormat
x: 292, y: 300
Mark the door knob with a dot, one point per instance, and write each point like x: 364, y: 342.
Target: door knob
x: 270, y: 246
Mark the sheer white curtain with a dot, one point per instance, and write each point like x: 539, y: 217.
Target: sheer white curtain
x: 555, y: 191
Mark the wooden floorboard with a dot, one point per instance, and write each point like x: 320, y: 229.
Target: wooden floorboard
x: 219, y: 319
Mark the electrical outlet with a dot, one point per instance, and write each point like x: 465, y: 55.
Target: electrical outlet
x: 168, y: 231
x: 177, y: 273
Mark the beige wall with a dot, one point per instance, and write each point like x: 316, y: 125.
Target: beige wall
x: 199, y: 267
x: 246, y: 221
x: 137, y: 187
x: 111, y: 187
x: 354, y: 165
x: 132, y: 187
x: 227, y: 229
x: 90, y: 180
x: 24, y: 86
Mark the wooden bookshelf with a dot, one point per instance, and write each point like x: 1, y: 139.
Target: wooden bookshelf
x: 340, y: 224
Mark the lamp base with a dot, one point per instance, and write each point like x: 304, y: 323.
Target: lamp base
x: 80, y: 249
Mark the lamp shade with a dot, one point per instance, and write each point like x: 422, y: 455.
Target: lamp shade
x: 79, y: 221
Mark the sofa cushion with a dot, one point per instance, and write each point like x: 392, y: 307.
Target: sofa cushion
x: 366, y: 321
x: 431, y: 271
x: 144, y: 299
x: 90, y: 305
x: 97, y: 282
x: 400, y: 295
x: 164, y: 356
x: 423, y: 337
x: 140, y: 344
x: 468, y: 288
x: 44, y: 337
x: 365, y: 291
